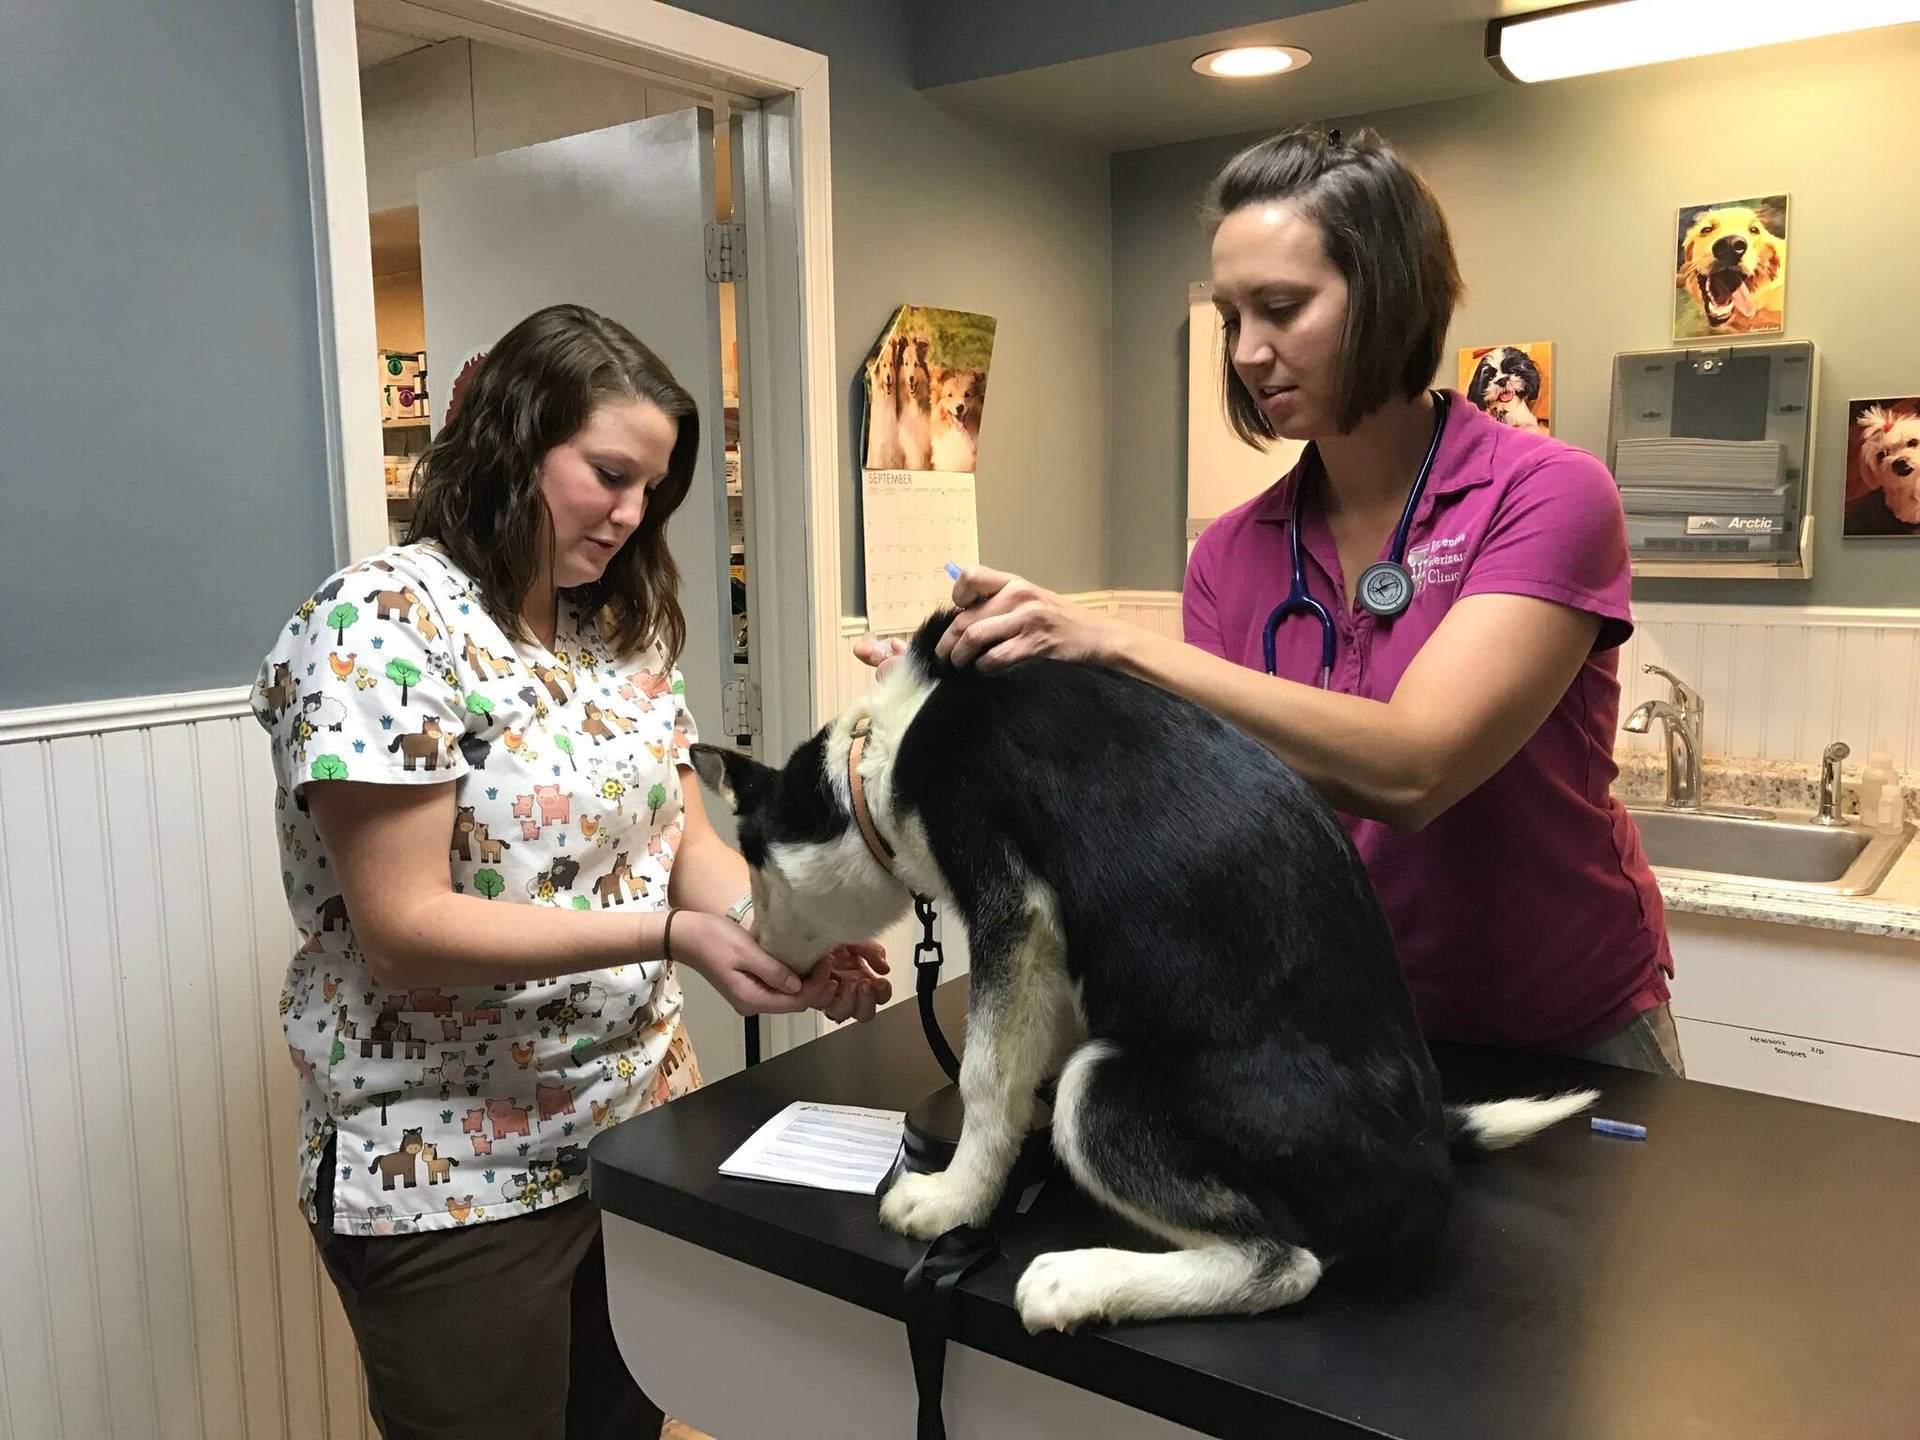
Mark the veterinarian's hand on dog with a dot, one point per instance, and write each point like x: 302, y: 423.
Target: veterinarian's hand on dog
x: 1004, y: 619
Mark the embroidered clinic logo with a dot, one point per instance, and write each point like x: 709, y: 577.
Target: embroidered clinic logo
x: 1439, y: 561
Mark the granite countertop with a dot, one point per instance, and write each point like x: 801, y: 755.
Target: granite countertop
x: 1892, y: 909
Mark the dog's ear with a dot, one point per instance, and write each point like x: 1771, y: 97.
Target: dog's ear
x: 1528, y: 371
x: 743, y: 783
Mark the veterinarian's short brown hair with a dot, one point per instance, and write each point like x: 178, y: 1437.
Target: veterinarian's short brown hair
x: 1384, y: 230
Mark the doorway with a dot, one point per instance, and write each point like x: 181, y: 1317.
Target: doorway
x: 470, y: 96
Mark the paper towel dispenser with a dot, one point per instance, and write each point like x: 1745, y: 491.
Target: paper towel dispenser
x: 1710, y: 448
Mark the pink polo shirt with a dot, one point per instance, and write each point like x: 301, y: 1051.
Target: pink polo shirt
x: 1527, y: 915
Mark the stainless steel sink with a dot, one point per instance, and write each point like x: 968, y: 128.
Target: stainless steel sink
x: 1784, y: 850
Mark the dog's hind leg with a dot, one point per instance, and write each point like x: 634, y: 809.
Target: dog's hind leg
x: 1130, y: 1149
x: 1018, y: 1002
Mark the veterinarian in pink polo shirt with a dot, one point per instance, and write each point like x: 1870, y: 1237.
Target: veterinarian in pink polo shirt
x: 1526, y: 913
x: 1466, y: 741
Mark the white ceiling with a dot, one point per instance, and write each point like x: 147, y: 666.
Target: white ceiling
x: 1369, y: 55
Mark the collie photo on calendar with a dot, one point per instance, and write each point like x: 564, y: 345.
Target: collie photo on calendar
x: 926, y: 390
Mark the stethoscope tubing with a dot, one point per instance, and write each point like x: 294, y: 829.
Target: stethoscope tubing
x: 1298, y: 599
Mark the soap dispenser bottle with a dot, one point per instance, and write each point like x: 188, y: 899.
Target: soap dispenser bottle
x: 1882, y: 802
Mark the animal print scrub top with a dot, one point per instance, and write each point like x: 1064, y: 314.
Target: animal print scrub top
x: 451, y: 1105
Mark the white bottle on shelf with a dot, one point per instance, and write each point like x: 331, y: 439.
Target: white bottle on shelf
x: 1882, y: 802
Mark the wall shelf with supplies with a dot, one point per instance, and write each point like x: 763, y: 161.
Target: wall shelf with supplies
x: 405, y: 426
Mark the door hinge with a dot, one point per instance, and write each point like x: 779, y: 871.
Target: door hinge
x: 740, y: 707
x: 726, y: 253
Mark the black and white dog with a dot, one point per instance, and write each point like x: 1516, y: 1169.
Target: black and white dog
x: 1161, y: 902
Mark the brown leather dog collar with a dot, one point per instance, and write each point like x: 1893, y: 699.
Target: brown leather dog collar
x: 857, y: 796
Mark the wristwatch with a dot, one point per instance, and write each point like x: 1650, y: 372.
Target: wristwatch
x: 737, y: 912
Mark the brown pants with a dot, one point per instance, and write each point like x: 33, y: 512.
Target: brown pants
x: 496, y: 1331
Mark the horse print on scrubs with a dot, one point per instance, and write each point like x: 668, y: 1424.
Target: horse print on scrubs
x: 1163, y: 903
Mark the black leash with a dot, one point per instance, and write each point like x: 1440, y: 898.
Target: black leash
x: 926, y: 981
x: 929, y: 1288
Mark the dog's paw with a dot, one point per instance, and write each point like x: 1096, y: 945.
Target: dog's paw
x: 926, y: 1206
x: 1068, y: 1289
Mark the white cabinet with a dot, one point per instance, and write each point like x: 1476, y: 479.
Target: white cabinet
x: 1830, y: 1016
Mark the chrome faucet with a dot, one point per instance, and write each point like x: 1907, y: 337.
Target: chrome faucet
x: 1830, y: 760
x: 1682, y: 714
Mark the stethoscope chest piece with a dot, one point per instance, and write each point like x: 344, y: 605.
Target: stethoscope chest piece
x: 1385, y: 589
x: 1386, y: 586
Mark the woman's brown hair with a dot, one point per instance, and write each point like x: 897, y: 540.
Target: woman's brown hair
x: 1384, y: 231
x: 477, y: 486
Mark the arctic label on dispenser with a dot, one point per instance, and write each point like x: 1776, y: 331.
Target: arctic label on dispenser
x: 1735, y: 525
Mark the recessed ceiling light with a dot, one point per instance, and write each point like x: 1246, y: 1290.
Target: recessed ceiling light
x: 1584, y: 39
x: 1247, y: 62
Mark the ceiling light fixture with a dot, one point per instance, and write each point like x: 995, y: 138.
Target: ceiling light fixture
x: 1248, y: 62
x: 1602, y: 35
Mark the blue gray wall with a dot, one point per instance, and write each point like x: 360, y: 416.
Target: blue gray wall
x: 933, y: 208
x: 162, y: 470
x: 1562, y: 200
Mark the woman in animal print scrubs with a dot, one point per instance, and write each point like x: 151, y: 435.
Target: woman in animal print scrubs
x: 479, y: 738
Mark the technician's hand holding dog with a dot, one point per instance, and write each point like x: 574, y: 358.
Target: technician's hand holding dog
x: 1417, y: 624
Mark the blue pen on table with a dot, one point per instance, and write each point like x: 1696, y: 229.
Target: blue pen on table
x: 1625, y: 1129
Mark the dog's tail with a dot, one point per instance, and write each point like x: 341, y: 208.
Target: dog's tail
x: 1499, y: 1124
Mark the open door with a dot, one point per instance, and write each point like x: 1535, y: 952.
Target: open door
x: 615, y: 220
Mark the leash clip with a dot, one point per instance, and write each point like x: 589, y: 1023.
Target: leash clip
x: 929, y: 970
x: 926, y: 980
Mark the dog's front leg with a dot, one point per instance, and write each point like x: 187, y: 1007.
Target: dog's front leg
x: 1017, y: 1003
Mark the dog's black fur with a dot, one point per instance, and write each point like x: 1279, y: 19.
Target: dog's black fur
x: 1220, y: 927
x: 1267, y: 1082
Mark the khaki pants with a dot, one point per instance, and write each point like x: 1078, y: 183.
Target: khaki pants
x: 1647, y: 1042
x: 496, y: 1331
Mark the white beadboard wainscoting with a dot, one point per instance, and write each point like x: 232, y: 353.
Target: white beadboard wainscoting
x: 158, y: 1279
x: 1779, y: 682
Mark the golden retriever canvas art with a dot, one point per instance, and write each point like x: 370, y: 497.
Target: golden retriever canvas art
x: 1730, y: 275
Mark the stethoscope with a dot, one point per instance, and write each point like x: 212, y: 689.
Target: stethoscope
x: 1386, y: 586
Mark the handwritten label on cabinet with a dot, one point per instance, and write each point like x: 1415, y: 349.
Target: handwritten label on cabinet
x: 1790, y: 1047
